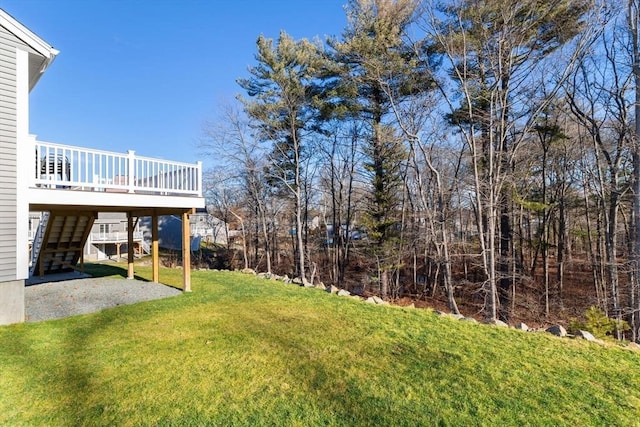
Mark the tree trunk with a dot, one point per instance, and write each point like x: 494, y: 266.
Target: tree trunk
x: 265, y: 236
x: 505, y: 280
x: 491, y: 236
x: 384, y: 282
x: 562, y: 238
x: 634, y: 303
x: 244, y: 241
x: 611, y: 261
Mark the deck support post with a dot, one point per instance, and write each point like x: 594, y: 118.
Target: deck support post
x: 130, y: 272
x: 155, y: 256
x: 186, y: 253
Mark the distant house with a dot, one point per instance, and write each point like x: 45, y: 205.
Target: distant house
x: 70, y: 186
x: 203, y: 227
x: 209, y: 228
x: 108, y: 238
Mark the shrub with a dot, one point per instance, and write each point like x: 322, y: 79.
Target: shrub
x: 597, y: 322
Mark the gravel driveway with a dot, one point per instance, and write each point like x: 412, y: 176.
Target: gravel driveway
x: 55, y: 300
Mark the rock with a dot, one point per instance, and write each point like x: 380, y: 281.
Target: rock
x: 557, y: 330
x: 332, y: 289
x: 634, y: 346
x: 320, y: 285
x: 343, y: 293
x: 262, y: 275
x: 439, y: 313
x: 412, y: 305
x: 585, y: 335
x: 457, y: 316
x: 297, y: 281
x: 468, y: 319
x: 522, y: 326
x: 370, y: 300
x: 377, y: 299
x: 248, y: 271
x: 496, y: 322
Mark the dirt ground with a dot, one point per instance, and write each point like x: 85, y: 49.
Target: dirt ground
x: 527, y: 299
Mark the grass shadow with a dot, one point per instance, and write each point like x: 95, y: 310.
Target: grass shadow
x: 107, y: 270
x: 100, y: 270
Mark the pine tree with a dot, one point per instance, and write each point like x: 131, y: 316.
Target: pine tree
x: 283, y: 88
x: 378, y: 64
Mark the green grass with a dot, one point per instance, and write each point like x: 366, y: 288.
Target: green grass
x: 243, y: 351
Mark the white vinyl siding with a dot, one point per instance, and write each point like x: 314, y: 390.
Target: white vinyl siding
x: 8, y: 155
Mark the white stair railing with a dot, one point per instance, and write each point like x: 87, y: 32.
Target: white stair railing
x: 37, y: 240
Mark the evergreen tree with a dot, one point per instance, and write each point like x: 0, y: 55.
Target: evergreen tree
x: 379, y: 66
x: 283, y: 88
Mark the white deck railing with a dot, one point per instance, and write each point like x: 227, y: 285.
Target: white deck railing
x: 74, y: 168
x: 114, y: 237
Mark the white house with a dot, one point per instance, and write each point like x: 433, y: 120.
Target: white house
x: 71, y: 185
x: 204, y: 228
x: 109, y: 238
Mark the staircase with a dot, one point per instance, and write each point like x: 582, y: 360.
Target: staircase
x: 145, y: 247
x: 60, y: 240
x: 37, y: 240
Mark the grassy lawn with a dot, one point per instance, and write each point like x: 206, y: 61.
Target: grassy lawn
x: 244, y: 351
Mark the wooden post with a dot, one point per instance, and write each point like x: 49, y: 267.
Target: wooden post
x: 155, y: 256
x: 130, y: 273
x: 186, y: 253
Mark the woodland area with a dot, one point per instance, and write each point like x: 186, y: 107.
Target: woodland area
x: 480, y: 154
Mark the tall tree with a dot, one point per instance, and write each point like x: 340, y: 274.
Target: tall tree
x: 341, y: 160
x: 633, y: 17
x: 375, y: 60
x: 598, y: 98
x: 282, y: 90
x: 230, y: 141
x: 496, y: 51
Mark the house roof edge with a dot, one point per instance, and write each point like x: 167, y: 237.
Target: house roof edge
x: 29, y: 37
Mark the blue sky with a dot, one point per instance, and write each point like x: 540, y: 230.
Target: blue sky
x: 145, y: 75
